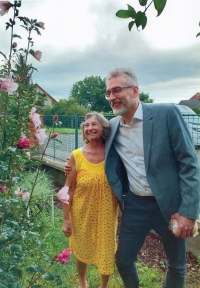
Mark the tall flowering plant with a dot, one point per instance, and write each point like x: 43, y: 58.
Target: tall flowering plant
x: 18, y: 206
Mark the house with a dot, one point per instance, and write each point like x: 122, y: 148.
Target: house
x: 50, y: 100
x: 193, y: 102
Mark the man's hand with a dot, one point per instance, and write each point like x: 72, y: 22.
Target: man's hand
x: 185, y: 226
x: 67, y: 167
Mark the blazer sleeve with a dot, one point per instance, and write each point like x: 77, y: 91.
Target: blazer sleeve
x: 184, y: 151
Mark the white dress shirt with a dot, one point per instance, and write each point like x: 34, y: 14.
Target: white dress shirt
x: 128, y: 142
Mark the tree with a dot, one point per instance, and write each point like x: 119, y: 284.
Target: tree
x: 66, y: 107
x: 144, y: 97
x: 196, y: 110
x: 89, y: 93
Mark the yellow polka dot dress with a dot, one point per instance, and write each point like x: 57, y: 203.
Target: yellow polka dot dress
x: 94, y: 216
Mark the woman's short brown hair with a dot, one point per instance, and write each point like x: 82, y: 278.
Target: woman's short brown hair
x: 103, y: 122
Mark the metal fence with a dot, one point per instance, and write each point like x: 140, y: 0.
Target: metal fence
x: 70, y: 134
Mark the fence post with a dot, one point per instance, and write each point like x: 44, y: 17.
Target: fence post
x: 76, y: 130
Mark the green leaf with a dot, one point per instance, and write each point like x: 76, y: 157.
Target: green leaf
x: 24, y: 27
x: 130, y: 25
x: 141, y: 19
x: 143, y: 2
x: 34, y: 268
x: 17, y: 272
x: 30, y: 164
x: 3, y: 286
x: 3, y: 55
x: 16, y: 36
x: 123, y: 14
x: 31, y: 51
x: 48, y: 276
x: 35, y: 286
x: 198, y: 34
x: 131, y: 11
x: 126, y: 13
x: 57, y: 140
x: 159, y: 5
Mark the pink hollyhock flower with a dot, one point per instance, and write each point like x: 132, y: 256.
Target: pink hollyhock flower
x: 8, y: 85
x: 37, y: 54
x: 63, y: 195
x: 3, y: 188
x: 4, y: 6
x: 24, y: 143
x: 55, y: 117
x: 64, y: 256
x: 21, y: 194
x: 35, y: 117
x: 40, y: 135
x: 54, y: 135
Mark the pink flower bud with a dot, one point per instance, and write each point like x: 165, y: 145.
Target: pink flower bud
x: 14, y: 44
x: 18, y: 77
x: 24, y: 80
x: 4, y: 7
x: 41, y: 25
x: 55, y: 117
x: 37, y: 55
x: 54, y: 135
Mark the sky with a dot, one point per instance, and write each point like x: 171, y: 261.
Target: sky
x: 85, y: 38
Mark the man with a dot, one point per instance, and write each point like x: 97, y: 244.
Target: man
x: 154, y: 144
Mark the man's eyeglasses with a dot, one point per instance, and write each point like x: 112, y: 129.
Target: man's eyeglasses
x: 116, y: 90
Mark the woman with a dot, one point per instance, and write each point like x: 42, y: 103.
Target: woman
x: 90, y: 219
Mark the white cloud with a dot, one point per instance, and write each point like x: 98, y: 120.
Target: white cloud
x: 85, y: 38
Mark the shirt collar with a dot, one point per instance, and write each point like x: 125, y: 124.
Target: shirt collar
x: 138, y: 113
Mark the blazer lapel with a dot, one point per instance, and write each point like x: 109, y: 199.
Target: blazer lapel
x: 147, y: 133
x: 114, y: 124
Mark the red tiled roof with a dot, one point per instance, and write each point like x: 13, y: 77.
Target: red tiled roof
x: 196, y: 96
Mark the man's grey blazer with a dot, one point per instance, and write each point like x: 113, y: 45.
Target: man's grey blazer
x: 171, y: 162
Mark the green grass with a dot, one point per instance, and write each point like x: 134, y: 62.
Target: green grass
x: 64, y: 130
x: 54, y: 242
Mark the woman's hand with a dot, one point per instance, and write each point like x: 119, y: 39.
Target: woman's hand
x: 66, y: 228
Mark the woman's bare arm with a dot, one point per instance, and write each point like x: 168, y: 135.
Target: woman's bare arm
x: 71, y: 183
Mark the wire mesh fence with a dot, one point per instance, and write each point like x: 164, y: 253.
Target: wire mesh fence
x: 70, y: 134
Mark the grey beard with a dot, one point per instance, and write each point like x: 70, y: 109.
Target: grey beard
x: 119, y: 112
